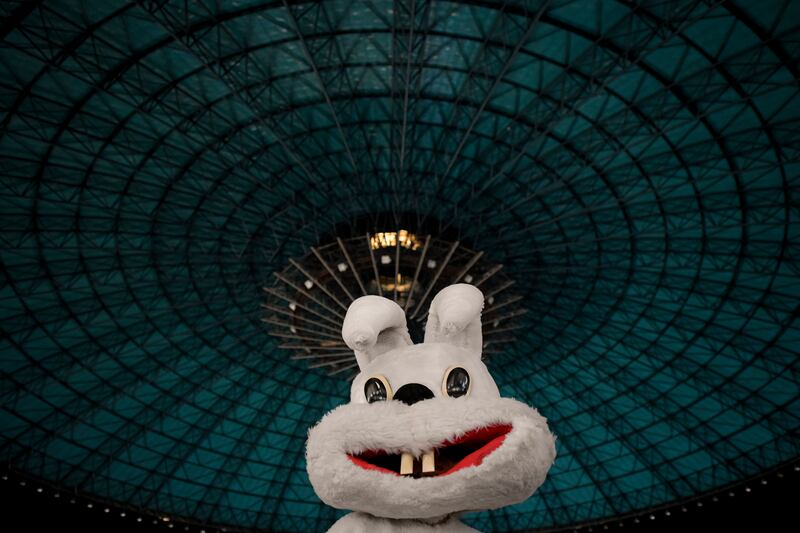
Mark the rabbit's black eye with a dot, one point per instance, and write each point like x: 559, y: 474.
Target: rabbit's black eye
x: 457, y: 382
x: 377, y: 389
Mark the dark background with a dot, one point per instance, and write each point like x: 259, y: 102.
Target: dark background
x: 765, y: 508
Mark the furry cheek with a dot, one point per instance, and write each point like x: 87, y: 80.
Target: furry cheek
x: 504, y: 474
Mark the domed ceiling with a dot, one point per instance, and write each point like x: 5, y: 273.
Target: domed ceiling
x: 632, y: 166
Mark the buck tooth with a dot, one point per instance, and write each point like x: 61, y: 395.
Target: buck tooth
x: 428, y: 462
x: 406, y: 464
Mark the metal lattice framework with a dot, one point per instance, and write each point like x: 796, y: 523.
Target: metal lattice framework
x: 307, y: 302
x: 633, y: 165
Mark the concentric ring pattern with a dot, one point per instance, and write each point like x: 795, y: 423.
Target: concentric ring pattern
x: 633, y: 165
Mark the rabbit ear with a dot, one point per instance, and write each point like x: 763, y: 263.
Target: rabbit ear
x: 455, y: 318
x: 374, y: 325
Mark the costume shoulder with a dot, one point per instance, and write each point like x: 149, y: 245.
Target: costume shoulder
x: 365, y: 523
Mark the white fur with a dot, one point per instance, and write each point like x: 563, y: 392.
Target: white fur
x: 375, y: 329
x: 373, y: 326
x: 455, y: 318
x: 364, y: 523
x: 508, y: 475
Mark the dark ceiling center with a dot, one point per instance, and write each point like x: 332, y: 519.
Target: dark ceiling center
x: 307, y: 301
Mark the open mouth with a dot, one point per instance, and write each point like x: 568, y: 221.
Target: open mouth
x: 450, y: 456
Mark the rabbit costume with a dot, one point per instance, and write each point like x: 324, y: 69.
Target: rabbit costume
x: 426, y: 435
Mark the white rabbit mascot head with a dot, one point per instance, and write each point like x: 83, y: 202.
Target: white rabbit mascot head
x: 426, y: 434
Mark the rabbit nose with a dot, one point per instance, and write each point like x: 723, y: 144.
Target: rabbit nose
x: 411, y: 393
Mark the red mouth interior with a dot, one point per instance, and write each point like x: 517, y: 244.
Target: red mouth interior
x: 451, y: 456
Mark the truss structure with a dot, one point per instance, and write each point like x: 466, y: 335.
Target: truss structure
x: 306, y: 304
x: 632, y: 164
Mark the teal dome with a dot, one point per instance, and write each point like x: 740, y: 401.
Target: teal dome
x: 633, y: 166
